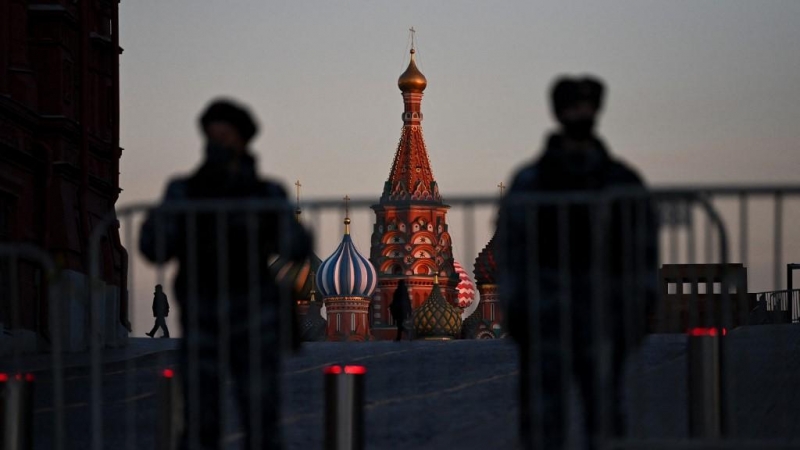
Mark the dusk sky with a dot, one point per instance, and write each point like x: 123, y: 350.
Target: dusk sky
x: 698, y: 91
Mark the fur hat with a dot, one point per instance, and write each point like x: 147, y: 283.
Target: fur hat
x: 569, y: 91
x: 230, y: 112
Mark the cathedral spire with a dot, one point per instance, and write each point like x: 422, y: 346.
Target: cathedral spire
x: 411, y: 177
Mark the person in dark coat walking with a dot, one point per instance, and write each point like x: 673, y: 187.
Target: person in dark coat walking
x: 160, y: 312
x: 594, y: 261
x: 231, y: 305
x: 401, y: 309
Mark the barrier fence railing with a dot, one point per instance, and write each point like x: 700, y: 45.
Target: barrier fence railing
x: 578, y: 271
x: 17, y: 427
x: 775, y: 307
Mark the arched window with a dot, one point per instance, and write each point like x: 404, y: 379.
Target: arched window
x: 422, y: 254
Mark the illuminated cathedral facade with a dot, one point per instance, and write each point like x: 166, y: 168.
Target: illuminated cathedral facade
x: 410, y: 238
x: 410, y: 241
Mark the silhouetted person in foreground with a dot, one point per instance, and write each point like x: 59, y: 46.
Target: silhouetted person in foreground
x: 229, y: 299
x: 401, y: 309
x: 160, y: 312
x: 593, y: 262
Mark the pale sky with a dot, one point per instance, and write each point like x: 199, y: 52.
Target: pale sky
x: 698, y: 91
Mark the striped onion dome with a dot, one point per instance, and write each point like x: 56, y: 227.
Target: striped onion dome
x: 465, y: 287
x: 486, y: 264
x: 346, y: 273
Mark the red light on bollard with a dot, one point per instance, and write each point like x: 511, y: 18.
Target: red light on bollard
x: 16, y: 409
x: 355, y: 370
x: 700, y: 331
x: 705, y: 381
x: 344, y: 407
x: 169, y: 423
x: 332, y: 370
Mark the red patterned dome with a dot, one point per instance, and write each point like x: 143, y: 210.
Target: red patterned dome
x: 466, y: 288
x: 486, y: 264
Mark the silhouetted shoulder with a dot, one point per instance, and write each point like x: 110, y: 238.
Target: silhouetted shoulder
x: 272, y: 189
x: 176, y: 189
x: 620, y: 173
x: 526, y: 178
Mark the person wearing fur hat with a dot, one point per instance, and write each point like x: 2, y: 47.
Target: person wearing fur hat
x: 223, y: 286
x: 558, y: 261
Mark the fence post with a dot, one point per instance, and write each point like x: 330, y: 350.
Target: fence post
x: 705, y: 382
x: 344, y: 407
x: 16, y: 398
x: 169, y: 419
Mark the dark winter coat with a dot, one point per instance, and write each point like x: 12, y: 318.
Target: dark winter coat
x: 401, y: 305
x: 215, y: 265
x: 160, y: 305
x: 611, y: 236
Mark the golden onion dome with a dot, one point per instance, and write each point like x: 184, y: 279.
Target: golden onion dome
x: 412, y: 80
x: 436, y: 318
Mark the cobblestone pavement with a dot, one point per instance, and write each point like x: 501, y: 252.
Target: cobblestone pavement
x: 459, y: 394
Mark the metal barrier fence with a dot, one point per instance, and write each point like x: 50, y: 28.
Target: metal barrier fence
x: 699, y: 292
x: 18, y: 430
x: 774, y: 307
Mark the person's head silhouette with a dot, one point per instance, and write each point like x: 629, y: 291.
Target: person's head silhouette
x: 228, y: 125
x: 576, y: 103
x: 158, y: 288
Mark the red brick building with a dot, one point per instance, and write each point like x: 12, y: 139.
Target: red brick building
x: 59, y: 158
x: 410, y: 238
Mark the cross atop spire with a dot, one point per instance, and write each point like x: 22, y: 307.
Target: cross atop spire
x: 297, y: 210
x: 502, y: 187
x: 413, y: 38
x: 346, y: 199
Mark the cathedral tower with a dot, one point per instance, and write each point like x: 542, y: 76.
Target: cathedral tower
x: 410, y: 238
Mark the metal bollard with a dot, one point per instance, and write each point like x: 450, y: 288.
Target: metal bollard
x: 705, y: 382
x: 16, y: 408
x: 169, y: 419
x: 344, y: 407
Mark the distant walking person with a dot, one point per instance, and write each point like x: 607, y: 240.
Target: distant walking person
x: 594, y: 261
x: 229, y: 300
x: 160, y: 312
x: 401, y: 309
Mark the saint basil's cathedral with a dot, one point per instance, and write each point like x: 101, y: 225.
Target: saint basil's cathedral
x: 410, y: 241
